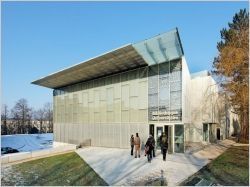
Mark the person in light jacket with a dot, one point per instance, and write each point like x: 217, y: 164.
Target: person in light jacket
x: 137, y: 143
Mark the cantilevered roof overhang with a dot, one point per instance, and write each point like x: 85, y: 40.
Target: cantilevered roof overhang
x: 161, y: 48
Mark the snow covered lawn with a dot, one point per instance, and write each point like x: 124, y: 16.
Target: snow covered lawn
x: 27, y: 142
x: 118, y: 167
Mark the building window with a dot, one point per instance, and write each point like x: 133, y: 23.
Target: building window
x: 165, y: 92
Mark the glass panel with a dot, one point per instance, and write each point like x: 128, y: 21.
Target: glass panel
x: 103, y: 111
x: 152, y: 130
x: 143, y: 72
x: 117, y: 110
x: 153, y: 93
x: 164, y: 92
x: 133, y: 109
x: 175, y: 91
x: 125, y: 116
x: 75, y: 108
x: 143, y: 89
x: 124, y: 77
x: 170, y: 142
x: 143, y: 115
x: 161, y: 48
x: 133, y: 74
x: 125, y: 97
x: 85, y: 101
x: 66, y: 98
x: 110, y: 99
x: 159, y: 131
x: 117, y: 91
x: 96, y: 101
x: 179, y: 139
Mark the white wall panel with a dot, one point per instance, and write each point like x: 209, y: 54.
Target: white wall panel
x: 66, y: 133
x: 143, y: 95
x: 134, y: 112
x: 125, y: 97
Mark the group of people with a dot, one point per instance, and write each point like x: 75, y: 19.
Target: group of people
x: 135, y: 142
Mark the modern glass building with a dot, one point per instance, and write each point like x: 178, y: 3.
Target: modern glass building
x: 142, y: 87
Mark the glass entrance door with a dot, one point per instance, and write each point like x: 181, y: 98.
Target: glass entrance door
x: 179, y: 139
x: 152, y: 130
x: 169, y: 133
x: 159, y: 131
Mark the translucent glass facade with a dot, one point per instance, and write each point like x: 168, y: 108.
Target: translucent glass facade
x: 106, y: 110
x: 165, y: 92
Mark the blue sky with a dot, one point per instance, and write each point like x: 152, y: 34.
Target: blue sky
x: 39, y: 38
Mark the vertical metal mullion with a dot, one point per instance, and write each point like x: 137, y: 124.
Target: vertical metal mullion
x: 169, y: 91
x: 158, y: 77
x: 120, y: 110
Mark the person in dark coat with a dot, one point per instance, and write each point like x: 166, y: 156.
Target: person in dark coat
x: 164, y: 145
x: 160, y: 138
x: 149, y: 147
x: 153, y: 146
x: 132, y: 143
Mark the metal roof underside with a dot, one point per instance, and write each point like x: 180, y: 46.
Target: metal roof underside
x: 119, y: 60
x: 161, y: 48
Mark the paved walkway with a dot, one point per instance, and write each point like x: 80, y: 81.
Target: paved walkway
x: 117, y: 167
x: 214, y: 150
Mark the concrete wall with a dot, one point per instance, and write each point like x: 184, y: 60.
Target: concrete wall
x: 15, y: 157
x: 205, y: 107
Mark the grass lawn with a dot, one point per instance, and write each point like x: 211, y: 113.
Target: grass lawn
x: 230, y: 168
x: 60, y: 170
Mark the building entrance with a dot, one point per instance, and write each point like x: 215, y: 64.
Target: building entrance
x: 218, y: 133
x: 159, y: 130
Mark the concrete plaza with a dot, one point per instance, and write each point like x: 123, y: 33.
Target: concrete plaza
x: 118, y: 167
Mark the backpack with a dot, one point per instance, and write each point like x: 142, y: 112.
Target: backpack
x: 164, y: 140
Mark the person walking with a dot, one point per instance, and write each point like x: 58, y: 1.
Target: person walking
x: 137, y: 143
x: 160, y: 141
x: 132, y: 143
x: 149, y: 147
x: 164, y: 145
x: 153, y: 141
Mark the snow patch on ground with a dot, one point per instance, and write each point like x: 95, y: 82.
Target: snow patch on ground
x: 27, y: 142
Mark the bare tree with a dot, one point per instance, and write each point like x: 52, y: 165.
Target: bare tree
x: 21, y: 112
x: 40, y: 116
x: 4, y: 117
x: 49, y: 115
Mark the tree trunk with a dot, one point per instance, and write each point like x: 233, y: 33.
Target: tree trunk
x: 244, y: 134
